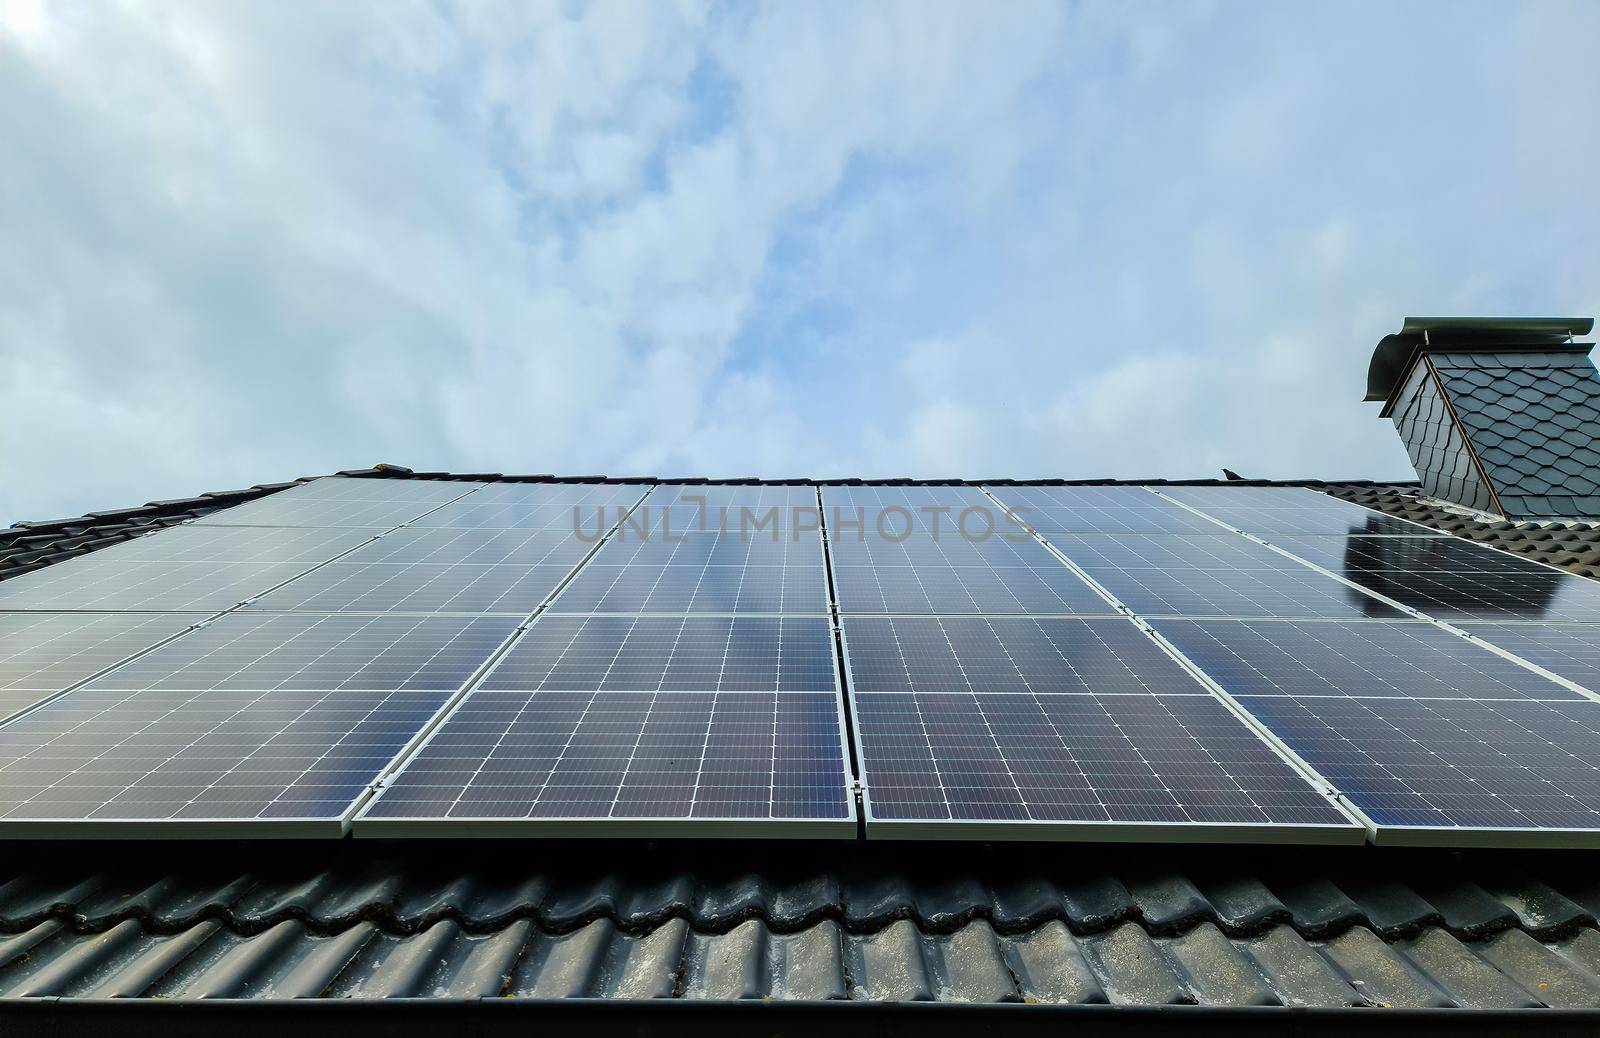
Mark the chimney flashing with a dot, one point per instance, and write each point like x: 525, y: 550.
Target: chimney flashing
x: 1398, y: 353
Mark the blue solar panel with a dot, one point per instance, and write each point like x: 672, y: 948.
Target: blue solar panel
x: 564, y: 507
x: 1164, y: 575
x: 1433, y: 738
x: 1269, y: 512
x: 638, y: 724
x: 274, y: 723
x: 106, y: 583
x: 439, y: 570
x: 258, y: 544
x: 42, y: 654
x: 920, y: 559
x: 1058, y: 728
x: 1113, y: 509
x: 334, y: 501
x: 1452, y: 579
x: 1571, y: 651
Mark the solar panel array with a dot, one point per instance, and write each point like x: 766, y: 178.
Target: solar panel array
x: 685, y: 681
x: 436, y: 657
x: 997, y: 694
x: 258, y: 670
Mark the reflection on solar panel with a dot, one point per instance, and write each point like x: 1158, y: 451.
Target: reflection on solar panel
x: 703, y: 724
x: 1163, y: 575
x: 904, y: 550
x: 236, y: 544
x: 1360, y: 554
x: 1059, y: 728
x: 43, y: 653
x: 439, y: 570
x: 107, y: 583
x: 1056, y: 510
x: 656, y: 565
x: 477, y: 547
x: 419, y: 588
x: 253, y: 719
x: 335, y: 501
x: 1269, y: 512
x: 1426, y: 734
x: 565, y: 507
x: 1569, y: 650
x: 1451, y: 579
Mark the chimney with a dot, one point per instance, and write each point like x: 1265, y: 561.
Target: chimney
x: 1500, y: 414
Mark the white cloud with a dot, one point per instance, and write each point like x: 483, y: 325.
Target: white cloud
x: 240, y: 242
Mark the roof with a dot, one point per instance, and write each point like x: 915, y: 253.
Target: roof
x: 1074, y: 924
x: 364, y: 923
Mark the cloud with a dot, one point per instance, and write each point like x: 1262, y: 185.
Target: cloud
x: 242, y: 242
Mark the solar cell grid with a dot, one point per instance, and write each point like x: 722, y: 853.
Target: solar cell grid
x: 1569, y: 650
x: 1008, y: 722
x: 1055, y: 510
x: 1294, y: 590
x: 1542, y: 595
x: 589, y: 508
x: 1453, y: 764
x: 419, y: 588
x: 1360, y: 659
x: 699, y: 549
x: 1417, y: 727
x: 637, y: 719
x: 260, y: 544
x: 646, y: 570
x: 339, y: 502
x: 1172, y: 552
x: 907, y: 568
x: 97, y: 582
x: 684, y: 653
x: 601, y: 587
x: 476, y: 547
x: 249, y: 719
x: 1355, y: 554
x: 43, y: 653
x: 1270, y: 511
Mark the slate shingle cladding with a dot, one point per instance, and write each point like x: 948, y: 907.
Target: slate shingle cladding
x: 1531, y: 419
x: 1438, y: 451
x: 1078, y: 925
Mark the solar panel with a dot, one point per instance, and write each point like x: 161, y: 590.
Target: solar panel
x: 261, y: 724
x: 670, y: 725
x: 1115, y: 509
x: 1059, y: 728
x: 103, y: 582
x: 418, y: 588
x: 236, y: 544
x: 684, y: 587
x: 45, y: 653
x: 1165, y: 575
x: 1452, y: 579
x: 566, y: 507
x: 1350, y: 555
x: 904, y: 550
x: 439, y: 570
x: 1269, y: 512
x: 335, y: 501
x: 657, y: 564
x: 1435, y: 740
x: 1569, y: 650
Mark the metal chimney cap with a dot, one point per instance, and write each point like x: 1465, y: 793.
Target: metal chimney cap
x: 1396, y: 353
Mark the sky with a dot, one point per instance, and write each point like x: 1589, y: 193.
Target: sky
x: 242, y: 242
